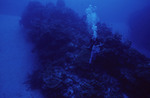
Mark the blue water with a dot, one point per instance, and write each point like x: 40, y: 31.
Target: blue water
x: 17, y: 59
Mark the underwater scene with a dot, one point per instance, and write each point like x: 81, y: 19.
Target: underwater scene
x: 74, y: 49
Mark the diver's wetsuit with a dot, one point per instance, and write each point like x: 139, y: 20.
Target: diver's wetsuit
x: 92, y: 45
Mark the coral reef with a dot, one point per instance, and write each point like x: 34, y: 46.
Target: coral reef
x: 63, y: 46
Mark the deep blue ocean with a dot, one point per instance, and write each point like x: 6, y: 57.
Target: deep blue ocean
x: 74, y: 49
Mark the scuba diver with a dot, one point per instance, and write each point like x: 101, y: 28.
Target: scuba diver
x: 92, y: 21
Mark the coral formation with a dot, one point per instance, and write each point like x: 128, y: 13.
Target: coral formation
x: 63, y: 45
